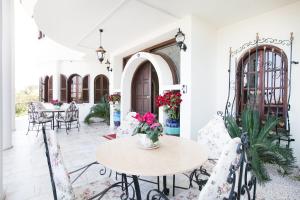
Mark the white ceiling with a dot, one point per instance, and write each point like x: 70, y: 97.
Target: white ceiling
x: 75, y: 23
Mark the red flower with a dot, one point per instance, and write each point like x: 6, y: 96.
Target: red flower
x: 153, y: 126
x: 149, y: 118
x: 139, y: 117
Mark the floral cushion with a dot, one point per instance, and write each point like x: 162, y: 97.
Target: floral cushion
x: 61, y: 177
x: 214, y: 137
x: 85, y: 192
x: 217, y: 186
x: 128, y: 125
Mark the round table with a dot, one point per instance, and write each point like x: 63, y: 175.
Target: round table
x: 53, y: 111
x: 175, y: 155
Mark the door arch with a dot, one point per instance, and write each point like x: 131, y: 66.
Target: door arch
x: 162, y: 69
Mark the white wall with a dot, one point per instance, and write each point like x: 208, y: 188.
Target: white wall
x: 69, y: 67
x: 276, y: 24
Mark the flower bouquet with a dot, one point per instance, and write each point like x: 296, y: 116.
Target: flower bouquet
x: 171, y: 102
x: 57, y: 104
x: 149, y: 130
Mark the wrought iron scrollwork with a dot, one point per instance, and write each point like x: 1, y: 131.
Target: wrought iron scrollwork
x: 199, y: 176
x: 241, y: 176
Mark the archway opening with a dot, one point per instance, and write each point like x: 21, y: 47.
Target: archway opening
x: 75, y: 88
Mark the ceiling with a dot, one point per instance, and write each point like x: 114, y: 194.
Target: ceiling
x: 75, y: 23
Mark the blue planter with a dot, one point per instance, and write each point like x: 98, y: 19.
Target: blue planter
x: 117, y: 118
x: 172, y: 127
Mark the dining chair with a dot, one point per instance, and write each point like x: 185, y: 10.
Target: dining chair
x: 63, y: 187
x: 36, y: 119
x: 230, y: 179
x: 69, y: 117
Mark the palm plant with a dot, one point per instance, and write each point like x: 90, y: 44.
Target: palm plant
x: 101, y: 110
x: 264, y: 148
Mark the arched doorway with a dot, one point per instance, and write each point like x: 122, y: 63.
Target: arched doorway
x: 75, y: 88
x: 163, y: 72
x: 144, y: 89
x: 101, y: 87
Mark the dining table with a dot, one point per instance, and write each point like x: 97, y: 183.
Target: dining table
x: 53, y: 111
x: 127, y: 156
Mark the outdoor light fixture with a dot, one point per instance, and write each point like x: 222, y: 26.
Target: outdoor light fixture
x: 180, y: 37
x: 100, y: 51
x: 109, y: 69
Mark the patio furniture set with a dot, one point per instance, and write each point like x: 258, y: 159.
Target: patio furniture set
x: 39, y: 116
x: 217, y: 164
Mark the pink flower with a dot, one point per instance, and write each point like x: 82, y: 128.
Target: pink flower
x: 139, y: 117
x: 155, y: 125
x: 149, y: 118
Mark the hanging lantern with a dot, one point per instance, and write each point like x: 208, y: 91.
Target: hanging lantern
x: 100, y: 51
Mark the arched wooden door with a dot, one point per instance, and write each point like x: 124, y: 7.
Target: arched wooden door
x: 101, y: 87
x: 63, y: 88
x: 145, y: 88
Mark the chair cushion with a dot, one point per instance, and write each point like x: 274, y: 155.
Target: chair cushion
x: 61, y: 177
x: 217, y: 186
x: 214, y: 137
x: 85, y: 192
x: 128, y: 125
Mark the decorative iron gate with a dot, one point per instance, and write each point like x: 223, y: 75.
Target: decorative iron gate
x: 261, y: 79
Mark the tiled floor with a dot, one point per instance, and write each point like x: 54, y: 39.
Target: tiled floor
x: 26, y: 175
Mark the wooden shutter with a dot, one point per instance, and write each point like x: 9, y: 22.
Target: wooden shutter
x: 101, y: 87
x: 85, y: 89
x: 50, y: 89
x: 63, y: 88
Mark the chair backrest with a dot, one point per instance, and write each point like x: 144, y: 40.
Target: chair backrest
x: 72, y: 112
x: 214, y: 137
x: 220, y: 185
x: 33, y: 114
x: 60, y: 180
x: 39, y: 105
x: 128, y: 125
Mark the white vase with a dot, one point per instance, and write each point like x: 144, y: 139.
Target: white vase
x: 146, y: 142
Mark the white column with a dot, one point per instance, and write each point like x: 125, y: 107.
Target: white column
x: 7, y: 76
x: 1, y: 97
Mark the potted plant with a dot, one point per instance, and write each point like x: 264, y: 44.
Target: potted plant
x: 149, y: 130
x: 57, y: 104
x: 264, y: 148
x: 171, y: 102
x: 114, y: 100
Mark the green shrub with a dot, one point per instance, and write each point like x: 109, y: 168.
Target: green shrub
x: 101, y: 110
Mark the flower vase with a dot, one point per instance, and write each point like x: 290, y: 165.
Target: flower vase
x: 57, y: 107
x: 117, y: 118
x: 146, y: 143
x: 172, y: 127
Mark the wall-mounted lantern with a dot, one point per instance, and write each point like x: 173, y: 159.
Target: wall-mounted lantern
x: 109, y: 69
x: 180, y: 38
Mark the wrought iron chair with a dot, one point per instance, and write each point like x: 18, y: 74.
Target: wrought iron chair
x: 61, y: 183
x: 238, y: 184
x: 36, y: 119
x: 70, y: 117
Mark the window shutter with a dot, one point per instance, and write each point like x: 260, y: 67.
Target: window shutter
x: 101, y: 87
x: 85, y: 89
x: 63, y: 88
x: 50, y: 89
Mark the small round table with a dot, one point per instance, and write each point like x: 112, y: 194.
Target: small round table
x: 53, y: 111
x: 175, y: 155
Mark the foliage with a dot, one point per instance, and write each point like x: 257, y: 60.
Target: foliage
x: 23, y: 97
x: 101, y: 110
x: 264, y: 148
x: 148, y: 125
x: 114, y: 98
x: 171, y: 102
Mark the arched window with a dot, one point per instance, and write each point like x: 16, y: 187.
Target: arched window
x: 101, y: 87
x: 85, y: 89
x: 75, y: 88
x: 50, y: 89
x: 63, y: 88
x: 262, y: 80
x: 41, y: 89
x: 46, y: 84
